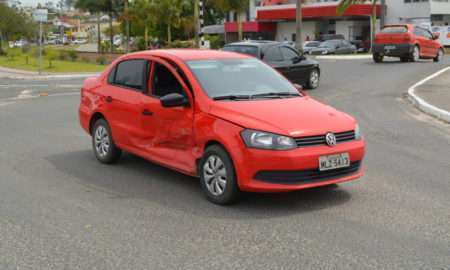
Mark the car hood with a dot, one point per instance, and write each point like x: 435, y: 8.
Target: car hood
x: 296, y: 117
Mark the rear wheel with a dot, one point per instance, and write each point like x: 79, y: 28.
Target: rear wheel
x: 218, y: 177
x: 415, y: 55
x: 377, y: 58
x: 439, y: 55
x: 104, y: 148
x: 314, y: 79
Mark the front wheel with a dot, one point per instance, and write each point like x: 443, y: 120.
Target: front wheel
x: 439, y: 55
x: 104, y: 148
x: 377, y: 58
x: 314, y: 79
x: 218, y: 177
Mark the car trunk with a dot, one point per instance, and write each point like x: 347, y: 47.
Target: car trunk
x: 392, y: 38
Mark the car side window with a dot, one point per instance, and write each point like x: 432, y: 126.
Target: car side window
x: 427, y: 34
x: 164, y: 82
x: 131, y: 74
x: 289, y: 54
x: 273, y: 54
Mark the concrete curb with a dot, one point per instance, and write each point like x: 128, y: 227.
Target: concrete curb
x: 29, y: 75
x: 344, y: 57
x: 423, y: 105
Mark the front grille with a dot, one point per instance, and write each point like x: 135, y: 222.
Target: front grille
x: 306, y: 176
x: 320, y: 139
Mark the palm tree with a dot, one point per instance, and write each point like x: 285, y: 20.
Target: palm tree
x: 143, y: 13
x: 299, y: 26
x: 345, y: 4
x: 238, y: 7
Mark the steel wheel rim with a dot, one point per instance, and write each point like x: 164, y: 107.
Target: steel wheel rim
x: 215, y: 175
x: 314, y: 78
x: 102, y: 142
x: 416, y: 53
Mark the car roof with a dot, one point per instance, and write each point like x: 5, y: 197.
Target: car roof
x: 191, y: 54
x: 256, y: 43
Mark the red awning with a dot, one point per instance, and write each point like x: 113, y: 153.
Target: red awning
x: 311, y: 12
x: 250, y: 27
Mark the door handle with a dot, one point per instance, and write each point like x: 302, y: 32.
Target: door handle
x: 109, y: 99
x: 147, y: 113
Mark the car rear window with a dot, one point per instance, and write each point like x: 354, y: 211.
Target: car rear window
x: 395, y: 29
x: 249, y: 50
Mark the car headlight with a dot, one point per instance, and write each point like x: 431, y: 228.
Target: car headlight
x: 266, y: 140
x: 358, y: 135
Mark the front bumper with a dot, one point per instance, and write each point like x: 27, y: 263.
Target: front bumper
x: 396, y: 50
x: 278, y: 171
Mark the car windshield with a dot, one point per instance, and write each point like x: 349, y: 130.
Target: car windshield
x: 240, y: 79
x: 329, y: 44
x: 395, y: 29
x: 249, y: 50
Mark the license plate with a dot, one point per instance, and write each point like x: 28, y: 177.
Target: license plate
x: 334, y: 162
x: 390, y: 47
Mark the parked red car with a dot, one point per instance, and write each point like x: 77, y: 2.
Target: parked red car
x: 228, y: 118
x: 407, y: 41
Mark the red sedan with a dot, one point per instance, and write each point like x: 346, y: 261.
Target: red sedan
x: 407, y: 41
x: 228, y: 118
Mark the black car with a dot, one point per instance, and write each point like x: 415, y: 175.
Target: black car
x: 284, y: 58
x: 334, y: 46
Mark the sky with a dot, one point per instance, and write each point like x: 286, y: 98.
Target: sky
x: 32, y: 2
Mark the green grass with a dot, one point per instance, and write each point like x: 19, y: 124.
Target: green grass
x: 58, y: 66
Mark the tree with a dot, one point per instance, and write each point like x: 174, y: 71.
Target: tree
x: 15, y: 24
x: 143, y: 12
x: 238, y: 7
x: 172, y: 15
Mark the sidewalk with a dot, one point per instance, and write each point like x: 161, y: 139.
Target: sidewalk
x: 30, y: 75
x: 433, y: 95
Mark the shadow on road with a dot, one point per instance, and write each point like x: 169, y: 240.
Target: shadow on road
x: 136, y: 178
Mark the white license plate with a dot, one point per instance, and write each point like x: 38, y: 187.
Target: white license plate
x: 334, y: 162
x: 390, y: 47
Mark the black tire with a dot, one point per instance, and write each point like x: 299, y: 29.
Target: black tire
x: 413, y: 57
x: 230, y: 192
x: 439, y: 56
x: 377, y: 58
x: 109, y: 154
x: 314, y: 79
x: 404, y: 59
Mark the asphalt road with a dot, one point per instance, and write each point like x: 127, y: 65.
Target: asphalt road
x: 60, y: 209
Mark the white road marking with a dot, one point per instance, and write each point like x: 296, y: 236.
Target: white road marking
x: 25, y: 94
x: 424, y: 105
x: 6, y: 103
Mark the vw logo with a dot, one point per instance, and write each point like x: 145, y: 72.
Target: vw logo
x: 331, y: 139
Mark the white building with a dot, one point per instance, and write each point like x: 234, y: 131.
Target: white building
x: 275, y: 19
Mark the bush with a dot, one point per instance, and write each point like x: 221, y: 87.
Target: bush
x: 85, y: 59
x: 73, y: 55
x: 215, y: 42
x: 101, y: 60
x: 12, y: 54
x: 51, y: 55
x: 181, y: 44
x: 63, y: 55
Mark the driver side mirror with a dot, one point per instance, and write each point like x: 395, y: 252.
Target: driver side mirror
x: 174, y: 100
x: 436, y: 35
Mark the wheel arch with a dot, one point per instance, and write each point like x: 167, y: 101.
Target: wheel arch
x: 96, y: 116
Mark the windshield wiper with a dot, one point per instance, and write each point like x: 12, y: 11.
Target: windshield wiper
x: 233, y: 97
x: 276, y: 94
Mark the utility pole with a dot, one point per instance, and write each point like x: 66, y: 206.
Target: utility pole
x: 202, y: 22
x: 299, y: 26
